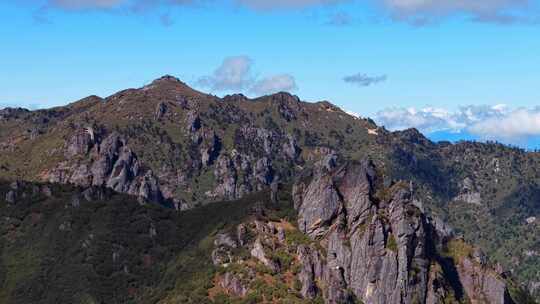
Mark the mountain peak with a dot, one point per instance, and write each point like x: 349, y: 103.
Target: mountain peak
x: 169, y: 83
x: 168, y: 79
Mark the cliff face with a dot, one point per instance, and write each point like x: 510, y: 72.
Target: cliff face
x: 366, y: 243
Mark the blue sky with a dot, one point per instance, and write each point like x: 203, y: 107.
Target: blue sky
x: 395, y: 54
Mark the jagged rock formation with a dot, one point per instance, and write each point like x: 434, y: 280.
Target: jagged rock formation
x: 109, y: 162
x: 369, y: 243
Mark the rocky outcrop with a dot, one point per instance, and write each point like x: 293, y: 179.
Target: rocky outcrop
x: 232, y: 285
x: 161, y: 109
x: 380, y: 244
x: 311, y: 268
x: 259, y: 253
x: 468, y: 193
x: 80, y: 143
x: 367, y: 242
x: 224, y: 239
x: 111, y: 164
x: 288, y: 106
x: 482, y: 284
x: 12, y: 113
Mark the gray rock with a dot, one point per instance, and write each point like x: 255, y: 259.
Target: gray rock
x: 307, y: 274
x: 223, y: 239
x: 263, y: 171
x: 210, y: 148
x: 11, y: 197
x: 233, y: 285
x: 482, y: 285
x: 161, y: 109
x: 274, y: 187
x: 241, y: 234
x: 80, y: 143
x: 93, y: 194
x: 291, y: 148
x: 221, y: 256
x: 226, y: 178
x: 75, y: 201
x: 379, y: 251
x: 193, y: 121
x: 320, y: 205
x: 281, y: 234
x: 149, y: 189
x: 469, y: 193
x: 258, y: 253
x: 81, y: 176
x: 355, y: 187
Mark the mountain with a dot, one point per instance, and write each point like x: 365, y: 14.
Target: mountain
x: 167, y: 144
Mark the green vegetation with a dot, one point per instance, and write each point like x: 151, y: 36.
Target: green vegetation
x: 457, y: 249
x: 391, y: 243
x: 107, y: 254
x: 295, y: 237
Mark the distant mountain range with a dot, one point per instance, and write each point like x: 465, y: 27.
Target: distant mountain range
x: 530, y: 144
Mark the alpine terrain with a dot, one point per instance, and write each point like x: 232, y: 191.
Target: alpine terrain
x: 164, y: 194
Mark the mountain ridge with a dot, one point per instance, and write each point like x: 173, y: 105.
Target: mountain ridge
x: 169, y: 144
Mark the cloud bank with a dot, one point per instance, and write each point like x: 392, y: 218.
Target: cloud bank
x: 500, y: 122
x: 85, y: 4
x: 235, y: 74
x: 252, y: 4
x: 419, y: 12
x: 520, y: 123
x: 497, y: 11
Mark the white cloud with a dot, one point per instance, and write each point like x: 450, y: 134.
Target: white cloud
x: 364, y: 80
x: 274, y: 84
x: 518, y: 124
x: 497, y: 122
x: 86, y: 4
x: 234, y: 73
x: 253, y: 4
x: 431, y: 119
x: 412, y: 11
x: 426, y: 119
x: 424, y: 11
x: 284, y: 4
